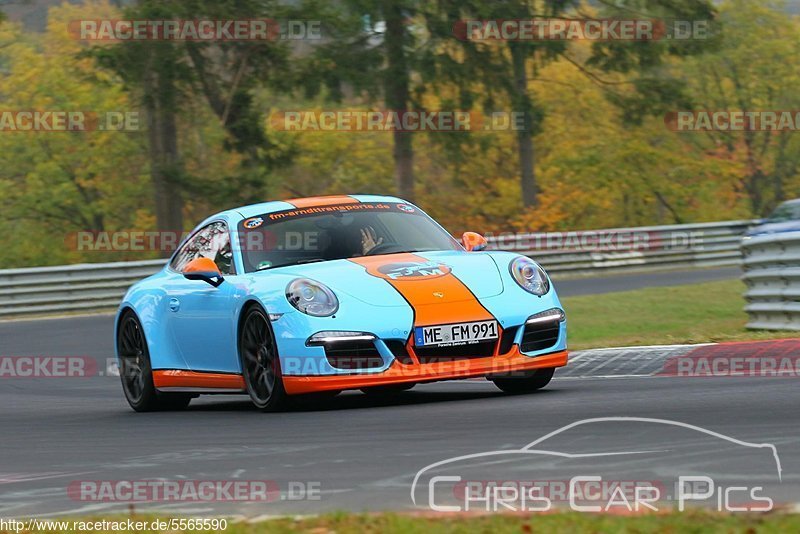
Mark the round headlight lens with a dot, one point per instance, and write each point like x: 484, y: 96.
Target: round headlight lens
x: 530, y: 276
x: 312, y: 298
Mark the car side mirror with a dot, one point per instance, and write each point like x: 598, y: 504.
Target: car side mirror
x: 203, y: 269
x: 473, y: 241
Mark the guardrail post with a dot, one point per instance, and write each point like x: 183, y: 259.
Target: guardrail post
x: 771, y: 271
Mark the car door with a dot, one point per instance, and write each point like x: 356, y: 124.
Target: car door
x: 200, y: 316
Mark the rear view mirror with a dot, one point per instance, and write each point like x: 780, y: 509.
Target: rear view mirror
x: 473, y: 241
x: 203, y: 269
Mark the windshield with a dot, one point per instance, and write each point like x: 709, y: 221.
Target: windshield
x: 789, y: 211
x: 337, y: 232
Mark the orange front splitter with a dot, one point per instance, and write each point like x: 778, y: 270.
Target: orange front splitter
x: 430, y: 372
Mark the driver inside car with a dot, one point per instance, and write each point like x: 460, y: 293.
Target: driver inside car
x: 369, y: 240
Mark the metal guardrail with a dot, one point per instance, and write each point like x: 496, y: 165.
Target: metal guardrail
x: 68, y: 288
x: 645, y: 248
x: 771, y: 265
x: 100, y: 286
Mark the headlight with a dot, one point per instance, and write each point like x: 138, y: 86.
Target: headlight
x: 312, y: 298
x: 530, y: 276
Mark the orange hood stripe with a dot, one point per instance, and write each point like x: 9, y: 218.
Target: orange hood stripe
x: 436, y: 300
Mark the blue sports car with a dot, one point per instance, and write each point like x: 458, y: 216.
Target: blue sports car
x: 320, y: 295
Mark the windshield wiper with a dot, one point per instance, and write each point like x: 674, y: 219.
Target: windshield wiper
x: 300, y: 262
x: 412, y: 251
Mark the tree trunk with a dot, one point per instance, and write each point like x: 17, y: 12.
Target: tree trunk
x: 396, y: 83
x: 522, y: 103
x: 165, y: 166
x: 755, y: 177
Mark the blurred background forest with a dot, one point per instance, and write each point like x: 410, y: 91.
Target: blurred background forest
x: 595, y: 153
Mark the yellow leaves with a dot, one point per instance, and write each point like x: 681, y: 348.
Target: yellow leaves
x: 329, y: 162
x: 63, y: 22
x: 63, y: 181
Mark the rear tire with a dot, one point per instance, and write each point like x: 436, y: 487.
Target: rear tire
x: 261, y: 367
x: 525, y: 384
x: 136, y: 372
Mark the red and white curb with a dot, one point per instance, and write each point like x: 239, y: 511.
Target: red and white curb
x: 771, y: 358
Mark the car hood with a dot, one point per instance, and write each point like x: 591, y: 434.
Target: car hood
x: 371, y: 279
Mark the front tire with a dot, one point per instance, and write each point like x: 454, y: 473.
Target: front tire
x: 261, y: 366
x: 525, y: 384
x: 136, y: 372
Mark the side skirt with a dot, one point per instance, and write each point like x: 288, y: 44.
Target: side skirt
x: 174, y: 380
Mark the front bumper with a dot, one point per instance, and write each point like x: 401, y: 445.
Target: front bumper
x: 398, y: 373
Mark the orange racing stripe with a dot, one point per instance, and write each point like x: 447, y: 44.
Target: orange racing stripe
x: 313, y: 202
x: 436, y: 300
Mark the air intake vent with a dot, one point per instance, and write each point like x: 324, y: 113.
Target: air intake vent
x: 399, y: 350
x: 353, y: 355
x: 507, y: 340
x: 540, y: 336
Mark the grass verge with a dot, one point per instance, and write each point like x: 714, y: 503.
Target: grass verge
x: 689, y: 522
x: 697, y: 313
x: 545, y: 523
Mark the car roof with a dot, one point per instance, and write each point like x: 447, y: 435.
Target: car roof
x: 299, y: 203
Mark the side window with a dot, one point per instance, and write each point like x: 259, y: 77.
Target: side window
x: 212, y: 241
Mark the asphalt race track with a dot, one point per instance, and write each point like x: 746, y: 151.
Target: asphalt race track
x: 361, y: 453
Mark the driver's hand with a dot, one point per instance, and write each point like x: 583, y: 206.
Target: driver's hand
x: 369, y: 239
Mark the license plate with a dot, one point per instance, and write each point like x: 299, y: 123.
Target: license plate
x: 455, y: 334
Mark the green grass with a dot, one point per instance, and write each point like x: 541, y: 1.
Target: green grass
x: 544, y: 523
x: 697, y: 313
x: 686, y: 522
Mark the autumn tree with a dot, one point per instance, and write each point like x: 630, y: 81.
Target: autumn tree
x: 751, y: 70
x: 56, y: 183
x: 167, y: 75
x: 372, y: 50
x: 514, y: 65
